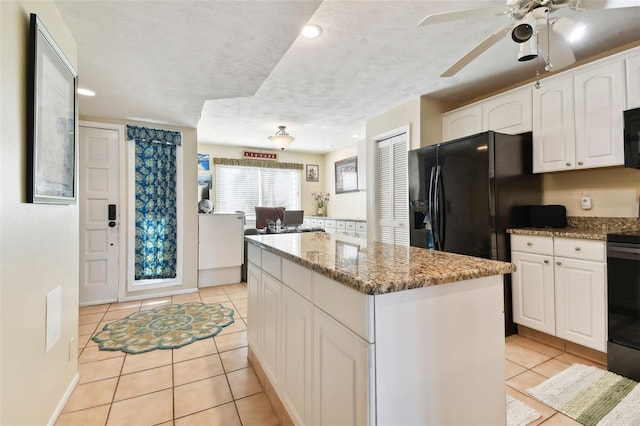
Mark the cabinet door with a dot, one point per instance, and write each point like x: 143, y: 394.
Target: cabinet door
x: 341, y: 371
x: 553, y: 126
x: 580, y: 302
x: 533, y: 291
x: 509, y: 112
x: 270, y: 320
x: 633, y: 81
x: 253, y: 306
x: 462, y: 122
x: 600, y: 100
x: 296, y: 368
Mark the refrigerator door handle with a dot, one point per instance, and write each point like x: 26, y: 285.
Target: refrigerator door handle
x: 431, y: 207
x: 439, y: 205
x: 436, y: 219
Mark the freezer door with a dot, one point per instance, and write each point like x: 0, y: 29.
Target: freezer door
x: 464, y: 218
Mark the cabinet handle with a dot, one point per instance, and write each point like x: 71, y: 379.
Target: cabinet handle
x: 529, y: 244
x: 577, y: 249
x: 546, y: 261
x: 568, y: 164
x: 579, y: 163
x: 558, y: 263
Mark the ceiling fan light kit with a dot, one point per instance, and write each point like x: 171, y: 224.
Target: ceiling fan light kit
x: 531, y: 17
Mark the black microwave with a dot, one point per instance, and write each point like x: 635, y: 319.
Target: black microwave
x: 632, y: 138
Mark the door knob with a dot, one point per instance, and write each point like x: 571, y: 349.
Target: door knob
x: 112, y: 224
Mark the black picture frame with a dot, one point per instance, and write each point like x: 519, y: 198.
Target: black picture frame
x: 312, y: 173
x: 52, y: 117
x: 346, y: 175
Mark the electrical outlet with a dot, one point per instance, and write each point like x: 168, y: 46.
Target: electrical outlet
x: 585, y: 201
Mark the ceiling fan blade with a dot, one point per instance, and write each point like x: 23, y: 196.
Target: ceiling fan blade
x: 606, y: 4
x: 477, y: 51
x: 552, y: 43
x: 459, y: 15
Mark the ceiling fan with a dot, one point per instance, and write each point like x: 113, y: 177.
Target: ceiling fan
x: 534, y: 29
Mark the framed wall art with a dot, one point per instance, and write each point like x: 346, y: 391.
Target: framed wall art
x: 51, y: 120
x: 346, y: 175
x: 313, y: 173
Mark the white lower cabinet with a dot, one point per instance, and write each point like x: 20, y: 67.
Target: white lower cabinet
x: 533, y: 291
x: 581, y: 302
x: 297, y: 357
x: 559, y: 288
x: 270, y: 326
x: 341, y: 374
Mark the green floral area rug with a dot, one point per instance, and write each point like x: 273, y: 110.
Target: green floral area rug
x: 165, y: 327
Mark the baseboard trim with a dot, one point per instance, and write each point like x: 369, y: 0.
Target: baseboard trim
x: 63, y: 401
x: 267, y: 387
x: 564, y: 345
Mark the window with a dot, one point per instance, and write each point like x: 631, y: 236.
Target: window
x: 155, y: 208
x: 243, y: 188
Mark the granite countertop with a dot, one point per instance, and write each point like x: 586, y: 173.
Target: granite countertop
x: 374, y: 267
x: 588, y: 228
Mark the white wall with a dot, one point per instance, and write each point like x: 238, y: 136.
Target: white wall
x: 350, y: 205
x: 38, y: 243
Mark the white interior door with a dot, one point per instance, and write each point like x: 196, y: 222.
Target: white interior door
x: 392, y: 190
x: 99, y: 215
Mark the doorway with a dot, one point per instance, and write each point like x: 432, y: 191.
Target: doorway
x: 100, y: 198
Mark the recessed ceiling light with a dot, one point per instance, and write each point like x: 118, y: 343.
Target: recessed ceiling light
x: 86, y: 92
x: 354, y: 136
x: 312, y: 31
x: 329, y: 146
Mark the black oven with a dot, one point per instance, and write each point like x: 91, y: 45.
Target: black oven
x: 632, y: 138
x: 623, y: 300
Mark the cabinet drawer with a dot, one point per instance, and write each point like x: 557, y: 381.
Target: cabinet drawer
x: 253, y: 254
x: 340, y: 224
x: 532, y: 244
x: 298, y: 278
x: 580, y: 249
x: 350, y: 225
x: 271, y: 264
x: 320, y: 222
x: 361, y: 226
x: 330, y: 223
x: 313, y: 222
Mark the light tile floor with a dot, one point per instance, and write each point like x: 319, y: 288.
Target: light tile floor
x: 209, y: 382
x: 529, y: 363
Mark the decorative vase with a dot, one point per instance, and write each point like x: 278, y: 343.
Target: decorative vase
x: 320, y: 211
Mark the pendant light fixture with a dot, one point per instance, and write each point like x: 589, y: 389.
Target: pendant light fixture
x: 281, y: 139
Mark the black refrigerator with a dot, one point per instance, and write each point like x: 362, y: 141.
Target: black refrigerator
x: 472, y: 190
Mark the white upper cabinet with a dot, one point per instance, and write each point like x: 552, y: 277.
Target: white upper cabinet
x: 508, y: 112
x: 462, y: 122
x: 600, y: 100
x: 577, y: 119
x: 554, y: 137
x: 633, y: 80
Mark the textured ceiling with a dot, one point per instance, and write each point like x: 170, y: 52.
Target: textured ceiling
x: 237, y: 69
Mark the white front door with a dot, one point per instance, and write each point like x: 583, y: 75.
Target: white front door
x: 99, y: 196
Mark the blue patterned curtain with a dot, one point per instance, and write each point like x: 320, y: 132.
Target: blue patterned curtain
x: 156, y: 249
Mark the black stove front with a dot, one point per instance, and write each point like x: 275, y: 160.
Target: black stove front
x: 623, y: 299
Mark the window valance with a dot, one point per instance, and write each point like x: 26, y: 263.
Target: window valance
x: 146, y: 134
x: 256, y: 163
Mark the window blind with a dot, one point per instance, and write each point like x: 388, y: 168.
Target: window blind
x: 243, y: 188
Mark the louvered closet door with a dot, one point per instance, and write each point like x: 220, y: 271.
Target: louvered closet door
x: 392, y: 197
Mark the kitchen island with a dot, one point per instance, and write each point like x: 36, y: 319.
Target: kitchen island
x: 345, y: 331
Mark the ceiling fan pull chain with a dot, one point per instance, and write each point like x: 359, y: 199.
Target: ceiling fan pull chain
x: 548, y: 65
